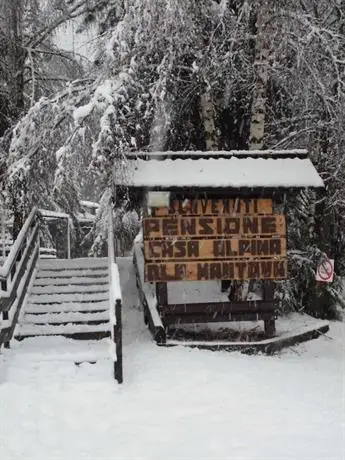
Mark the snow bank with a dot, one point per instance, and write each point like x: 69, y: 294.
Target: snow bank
x: 176, y: 403
x: 193, y: 404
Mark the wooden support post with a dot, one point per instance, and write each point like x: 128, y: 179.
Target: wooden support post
x: 270, y: 328
x: 118, y: 364
x: 225, y: 285
x: 268, y: 291
x: 162, y: 301
x: 68, y: 239
x: 268, y: 287
x: 162, y: 294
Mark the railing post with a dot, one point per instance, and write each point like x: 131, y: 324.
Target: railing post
x: 3, y: 235
x: 68, y: 240
x: 111, y: 248
x: 118, y: 370
x: 115, y: 303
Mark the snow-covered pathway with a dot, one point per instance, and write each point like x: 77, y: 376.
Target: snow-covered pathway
x: 175, y: 403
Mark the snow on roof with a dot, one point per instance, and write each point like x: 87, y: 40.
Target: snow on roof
x: 222, y: 173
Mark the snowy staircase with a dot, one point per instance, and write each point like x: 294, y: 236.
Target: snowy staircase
x: 69, y: 297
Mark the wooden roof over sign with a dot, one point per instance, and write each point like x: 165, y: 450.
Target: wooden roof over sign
x: 266, y: 169
x: 198, y: 154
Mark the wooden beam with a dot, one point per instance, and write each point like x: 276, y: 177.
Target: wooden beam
x: 290, y: 153
x: 169, y: 320
x: 219, y: 307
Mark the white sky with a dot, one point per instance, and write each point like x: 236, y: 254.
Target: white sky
x: 81, y: 43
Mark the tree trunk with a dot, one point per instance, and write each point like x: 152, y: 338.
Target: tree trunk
x: 261, y: 64
x: 17, y: 53
x: 208, y: 116
x: 258, y: 113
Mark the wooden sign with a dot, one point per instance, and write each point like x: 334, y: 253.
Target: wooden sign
x: 162, y: 227
x: 217, y: 207
x: 214, y: 249
x: 210, y: 239
x: 197, y: 271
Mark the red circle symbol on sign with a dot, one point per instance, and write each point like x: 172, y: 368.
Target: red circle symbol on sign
x: 325, y: 270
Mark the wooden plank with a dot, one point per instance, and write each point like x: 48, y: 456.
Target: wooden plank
x: 240, y: 225
x: 170, y: 320
x: 215, y: 249
x: 268, y: 346
x: 273, y: 269
x: 196, y: 154
x: 218, y: 308
x: 217, y: 207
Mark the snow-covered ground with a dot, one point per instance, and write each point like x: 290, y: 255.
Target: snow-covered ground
x: 175, y: 403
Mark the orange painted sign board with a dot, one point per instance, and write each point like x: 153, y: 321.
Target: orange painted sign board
x: 209, y: 239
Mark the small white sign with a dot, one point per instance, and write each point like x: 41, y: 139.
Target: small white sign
x: 325, y: 271
x: 158, y: 199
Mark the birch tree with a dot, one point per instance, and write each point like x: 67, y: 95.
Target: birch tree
x: 262, y: 55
